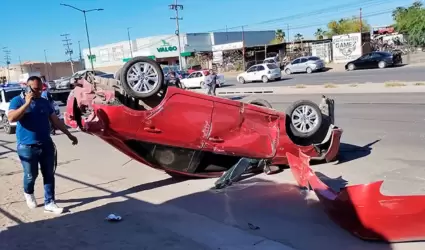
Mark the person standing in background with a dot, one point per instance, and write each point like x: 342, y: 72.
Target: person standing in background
x: 212, y: 82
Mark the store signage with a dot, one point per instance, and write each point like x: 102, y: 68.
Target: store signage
x: 166, y: 47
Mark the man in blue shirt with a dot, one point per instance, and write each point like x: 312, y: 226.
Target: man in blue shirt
x: 33, y: 115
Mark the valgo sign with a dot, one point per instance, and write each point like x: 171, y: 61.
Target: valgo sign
x: 166, y: 47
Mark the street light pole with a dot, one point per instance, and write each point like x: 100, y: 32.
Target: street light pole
x: 129, y: 41
x: 87, y: 29
x: 88, y: 40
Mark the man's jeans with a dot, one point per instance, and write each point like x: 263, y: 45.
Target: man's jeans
x: 33, y: 155
x: 211, y: 89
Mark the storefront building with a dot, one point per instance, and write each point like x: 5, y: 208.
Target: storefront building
x: 164, y: 49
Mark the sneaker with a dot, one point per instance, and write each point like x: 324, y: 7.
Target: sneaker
x: 30, y: 199
x: 53, y: 208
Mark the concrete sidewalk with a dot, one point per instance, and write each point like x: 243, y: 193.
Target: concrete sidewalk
x: 354, y: 88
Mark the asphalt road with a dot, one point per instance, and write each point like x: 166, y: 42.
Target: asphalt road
x: 403, y: 73
x: 383, y: 139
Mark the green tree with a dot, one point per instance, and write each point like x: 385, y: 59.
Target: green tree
x: 411, y: 21
x: 298, y: 37
x: 346, y: 26
x: 279, y: 37
x: 319, y: 34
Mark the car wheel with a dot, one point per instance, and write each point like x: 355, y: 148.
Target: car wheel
x: 265, y: 79
x: 6, y: 126
x: 261, y: 102
x: 241, y: 80
x: 288, y: 71
x: 142, y: 77
x: 305, y: 118
x: 351, y: 67
x: 382, y: 64
x: 309, y: 70
x: 203, y: 86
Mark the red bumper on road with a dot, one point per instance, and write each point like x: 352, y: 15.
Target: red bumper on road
x: 362, y: 209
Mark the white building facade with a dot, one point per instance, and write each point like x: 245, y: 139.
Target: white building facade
x: 164, y: 48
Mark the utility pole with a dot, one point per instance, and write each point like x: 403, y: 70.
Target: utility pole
x: 361, y: 22
x: 68, y: 50
x: 287, y: 33
x: 45, y: 65
x: 129, y: 41
x: 20, y: 65
x: 6, y: 52
x: 82, y: 62
x: 176, y: 7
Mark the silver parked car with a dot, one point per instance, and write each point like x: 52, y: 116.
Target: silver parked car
x: 307, y: 64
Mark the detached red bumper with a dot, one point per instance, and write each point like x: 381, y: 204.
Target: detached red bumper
x: 362, y: 209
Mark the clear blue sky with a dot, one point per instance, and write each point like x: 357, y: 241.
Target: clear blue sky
x: 31, y: 26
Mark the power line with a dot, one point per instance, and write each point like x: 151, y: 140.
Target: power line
x: 68, y: 50
x: 336, y: 8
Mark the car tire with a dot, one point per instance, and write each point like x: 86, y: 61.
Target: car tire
x: 138, y: 62
x: 261, y: 102
x: 351, y: 67
x: 308, y: 70
x: 265, y: 79
x: 382, y: 65
x: 278, y: 79
x: 241, y: 80
x: 6, y: 126
x: 302, y: 108
x: 202, y: 85
x: 118, y: 74
x: 288, y: 71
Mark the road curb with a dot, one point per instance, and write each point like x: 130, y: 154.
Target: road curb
x: 331, y: 88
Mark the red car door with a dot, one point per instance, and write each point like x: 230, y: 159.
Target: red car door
x: 244, y: 130
x: 181, y: 121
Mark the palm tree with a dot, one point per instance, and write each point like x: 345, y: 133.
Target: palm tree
x: 319, y: 34
x: 280, y: 35
x: 398, y: 11
x: 298, y: 37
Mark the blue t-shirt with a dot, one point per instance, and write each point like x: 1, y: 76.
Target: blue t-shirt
x: 34, y: 126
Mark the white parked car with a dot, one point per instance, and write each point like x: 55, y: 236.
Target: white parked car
x: 198, y: 79
x: 7, y: 92
x: 260, y: 72
x: 308, y: 64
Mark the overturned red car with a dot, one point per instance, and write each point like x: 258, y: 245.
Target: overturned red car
x: 193, y: 134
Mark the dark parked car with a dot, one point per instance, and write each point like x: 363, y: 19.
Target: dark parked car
x: 374, y: 60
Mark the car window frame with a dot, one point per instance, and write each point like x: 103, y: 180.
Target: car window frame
x: 253, y: 67
x: 274, y: 66
x: 294, y: 61
x: 261, y: 67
